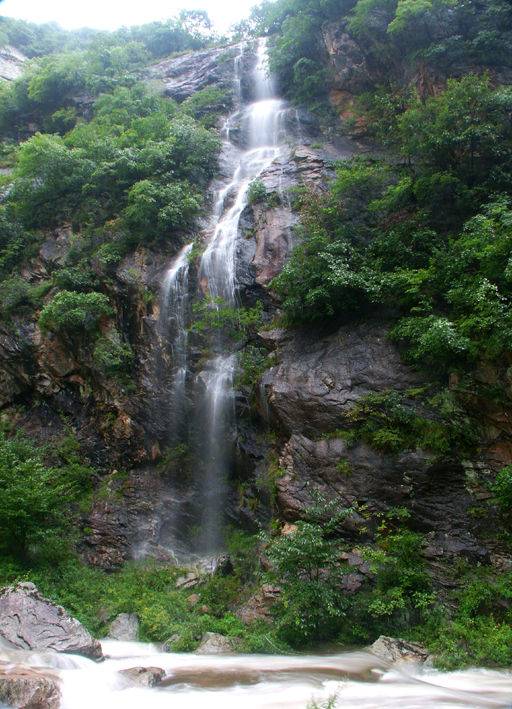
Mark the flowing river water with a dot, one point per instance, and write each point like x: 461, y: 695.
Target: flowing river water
x: 357, y: 679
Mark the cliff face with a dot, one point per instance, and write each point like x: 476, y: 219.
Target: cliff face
x: 296, y: 424
x: 11, y: 63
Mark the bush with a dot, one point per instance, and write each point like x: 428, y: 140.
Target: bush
x: 14, y: 291
x: 112, y: 356
x: 502, y: 489
x: 74, y: 313
x: 36, y: 499
x: 154, y: 211
x: 257, y: 192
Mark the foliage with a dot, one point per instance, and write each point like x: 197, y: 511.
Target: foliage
x: 502, y: 489
x: 35, y: 501
x: 206, y: 105
x: 74, y: 313
x: 155, y: 211
x: 257, y: 192
x: 480, y: 631
x: 311, y: 607
x: 215, y: 314
x: 112, y: 356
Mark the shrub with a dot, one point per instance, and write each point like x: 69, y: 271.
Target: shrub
x: 14, y: 291
x: 35, y: 500
x: 112, y: 356
x: 257, y: 192
x: 74, y: 313
x: 502, y: 489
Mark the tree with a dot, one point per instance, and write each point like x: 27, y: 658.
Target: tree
x: 35, y: 498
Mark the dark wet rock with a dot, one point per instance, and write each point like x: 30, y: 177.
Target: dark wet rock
x: 347, y: 59
x: 143, y: 676
x: 31, y: 622
x: 397, y: 650
x: 321, y: 378
x: 216, y: 644
x: 186, y: 74
x: 23, y: 688
x: 124, y: 627
x: 435, y: 493
x: 55, y: 248
x: 11, y: 63
x: 259, y: 606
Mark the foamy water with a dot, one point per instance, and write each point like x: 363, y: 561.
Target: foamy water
x: 357, y: 679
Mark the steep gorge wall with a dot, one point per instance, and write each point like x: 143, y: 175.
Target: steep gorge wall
x: 288, y: 442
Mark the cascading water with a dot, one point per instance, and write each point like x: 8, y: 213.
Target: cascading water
x: 343, y: 681
x: 174, y: 301
x: 261, y: 123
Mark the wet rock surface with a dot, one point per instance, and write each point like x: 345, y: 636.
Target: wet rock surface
x: 397, y: 650
x: 11, y: 63
x: 216, y: 644
x: 23, y: 688
x: 143, y: 676
x: 31, y: 622
x: 320, y: 378
x: 124, y: 627
x: 186, y: 74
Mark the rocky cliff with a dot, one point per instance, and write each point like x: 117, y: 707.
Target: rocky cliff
x: 295, y: 425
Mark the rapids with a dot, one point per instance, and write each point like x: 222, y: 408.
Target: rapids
x: 356, y: 680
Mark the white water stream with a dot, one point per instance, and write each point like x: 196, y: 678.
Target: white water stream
x: 357, y: 680
x: 173, y: 326
x: 261, y: 126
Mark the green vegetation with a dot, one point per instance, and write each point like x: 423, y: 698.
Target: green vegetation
x: 214, y: 314
x: 37, y: 497
x: 74, y: 313
x: 428, y: 243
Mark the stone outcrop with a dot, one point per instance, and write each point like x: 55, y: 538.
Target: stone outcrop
x: 124, y: 627
x: 23, y: 688
x: 259, y: 606
x: 216, y: 644
x: 11, y: 63
x: 396, y: 650
x: 191, y: 72
x: 310, y: 394
x: 143, y: 676
x: 320, y: 378
x: 347, y: 59
x: 31, y: 622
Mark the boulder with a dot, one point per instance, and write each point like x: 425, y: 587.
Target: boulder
x: 124, y: 627
x: 216, y: 644
x: 28, y: 689
x: 31, y: 622
x: 143, y: 676
x: 183, y: 76
x: 398, y: 650
x: 320, y: 378
x: 259, y: 606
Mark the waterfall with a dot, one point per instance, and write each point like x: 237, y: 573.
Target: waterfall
x: 174, y: 300
x: 209, y: 435
x: 261, y: 122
